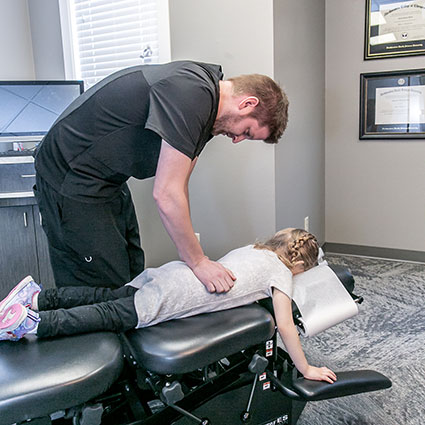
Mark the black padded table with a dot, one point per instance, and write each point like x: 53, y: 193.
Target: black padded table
x: 42, y: 376
x: 184, y: 345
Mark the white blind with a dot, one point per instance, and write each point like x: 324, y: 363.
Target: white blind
x: 113, y: 34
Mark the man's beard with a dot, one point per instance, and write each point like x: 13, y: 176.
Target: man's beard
x: 223, y: 124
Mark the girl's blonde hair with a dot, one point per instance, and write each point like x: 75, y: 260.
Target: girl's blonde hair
x: 293, y: 245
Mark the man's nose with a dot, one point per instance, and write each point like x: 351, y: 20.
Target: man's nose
x: 238, y: 139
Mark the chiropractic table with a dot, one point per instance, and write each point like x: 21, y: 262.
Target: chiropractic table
x: 222, y: 368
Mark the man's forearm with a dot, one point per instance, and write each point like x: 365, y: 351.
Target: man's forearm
x: 171, y: 195
x: 172, y: 198
x: 174, y: 212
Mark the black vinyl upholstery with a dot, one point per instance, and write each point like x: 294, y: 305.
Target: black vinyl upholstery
x: 41, y: 376
x: 184, y: 345
x: 348, y: 383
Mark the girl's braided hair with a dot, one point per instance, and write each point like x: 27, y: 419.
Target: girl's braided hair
x: 293, y: 245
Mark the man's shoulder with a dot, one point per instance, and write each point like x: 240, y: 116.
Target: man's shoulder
x: 210, y: 70
x: 184, y: 70
x: 211, y: 67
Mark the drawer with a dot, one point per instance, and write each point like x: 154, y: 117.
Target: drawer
x: 17, y: 174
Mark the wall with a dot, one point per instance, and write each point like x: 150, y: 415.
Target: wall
x: 299, y: 55
x: 46, y: 39
x: 239, y: 192
x: 233, y: 186
x: 375, y: 190
x: 16, y: 57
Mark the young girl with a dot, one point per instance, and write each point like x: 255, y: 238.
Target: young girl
x: 169, y: 292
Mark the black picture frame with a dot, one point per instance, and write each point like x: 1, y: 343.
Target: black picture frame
x: 392, y: 105
x: 394, y: 28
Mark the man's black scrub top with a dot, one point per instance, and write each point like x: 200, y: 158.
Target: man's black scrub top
x: 114, y: 129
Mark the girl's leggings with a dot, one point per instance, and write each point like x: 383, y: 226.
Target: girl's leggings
x: 82, y: 309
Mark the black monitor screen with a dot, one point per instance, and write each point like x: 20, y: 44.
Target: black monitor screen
x: 29, y: 108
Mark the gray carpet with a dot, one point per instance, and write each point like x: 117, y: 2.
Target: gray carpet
x: 388, y: 336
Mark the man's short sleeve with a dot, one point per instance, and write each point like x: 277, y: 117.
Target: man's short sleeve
x: 180, y: 112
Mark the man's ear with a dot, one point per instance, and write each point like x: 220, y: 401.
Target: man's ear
x: 249, y: 102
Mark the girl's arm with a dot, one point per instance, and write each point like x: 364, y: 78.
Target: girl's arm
x: 283, y: 312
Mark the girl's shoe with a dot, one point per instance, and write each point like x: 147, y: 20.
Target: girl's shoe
x: 16, y: 321
x: 23, y: 293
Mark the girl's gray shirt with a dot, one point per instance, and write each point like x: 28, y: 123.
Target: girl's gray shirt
x: 173, y: 291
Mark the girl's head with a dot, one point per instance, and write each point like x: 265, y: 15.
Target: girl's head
x: 296, y: 248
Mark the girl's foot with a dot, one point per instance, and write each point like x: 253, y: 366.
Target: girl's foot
x: 23, y: 293
x: 16, y: 321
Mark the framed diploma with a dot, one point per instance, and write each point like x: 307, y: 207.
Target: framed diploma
x: 394, y: 28
x: 392, y: 105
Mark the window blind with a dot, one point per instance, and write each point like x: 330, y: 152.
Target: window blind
x: 111, y: 35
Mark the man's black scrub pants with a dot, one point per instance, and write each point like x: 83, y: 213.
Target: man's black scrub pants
x: 90, y: 244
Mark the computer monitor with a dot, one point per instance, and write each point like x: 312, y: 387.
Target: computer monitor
x: 29, y: 108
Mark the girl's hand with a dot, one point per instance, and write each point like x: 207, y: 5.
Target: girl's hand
x: 320, y: 374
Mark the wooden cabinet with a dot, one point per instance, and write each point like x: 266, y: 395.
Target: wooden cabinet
x: 23, y: 247
x: 23, y: 244
x: 17, y: 174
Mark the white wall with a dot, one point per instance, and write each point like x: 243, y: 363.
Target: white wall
x: 244, y: 192
x: 375, y: 190
x: 299, y: 63
x: 46, y: 39
x: 16, y: 57
x: 232, y: 188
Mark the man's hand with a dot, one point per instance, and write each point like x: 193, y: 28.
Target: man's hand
x: 214, y: 276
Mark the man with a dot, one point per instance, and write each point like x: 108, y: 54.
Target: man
x: 144, y: 121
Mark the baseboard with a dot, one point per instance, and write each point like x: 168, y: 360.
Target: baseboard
x: 373, y: 251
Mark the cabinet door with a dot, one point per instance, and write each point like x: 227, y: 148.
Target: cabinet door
x: 18, y: 255
x: 46, y: 272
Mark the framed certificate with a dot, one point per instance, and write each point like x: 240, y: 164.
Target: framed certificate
x: 394, y: 28
x: 392, y: 105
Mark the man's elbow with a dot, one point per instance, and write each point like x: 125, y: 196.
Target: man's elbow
x: 158, y: 194
x: 161, y: 197
x: 166, y: 200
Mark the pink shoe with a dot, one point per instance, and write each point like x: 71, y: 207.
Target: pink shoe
x: 23, y: 293
x: 16, y: 321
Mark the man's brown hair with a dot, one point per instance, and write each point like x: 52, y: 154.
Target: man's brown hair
x: 272, y: 110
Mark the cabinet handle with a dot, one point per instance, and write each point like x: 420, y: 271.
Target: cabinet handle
x: 27, y: 176
x: 41, y: 218
x: 25, y: 220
